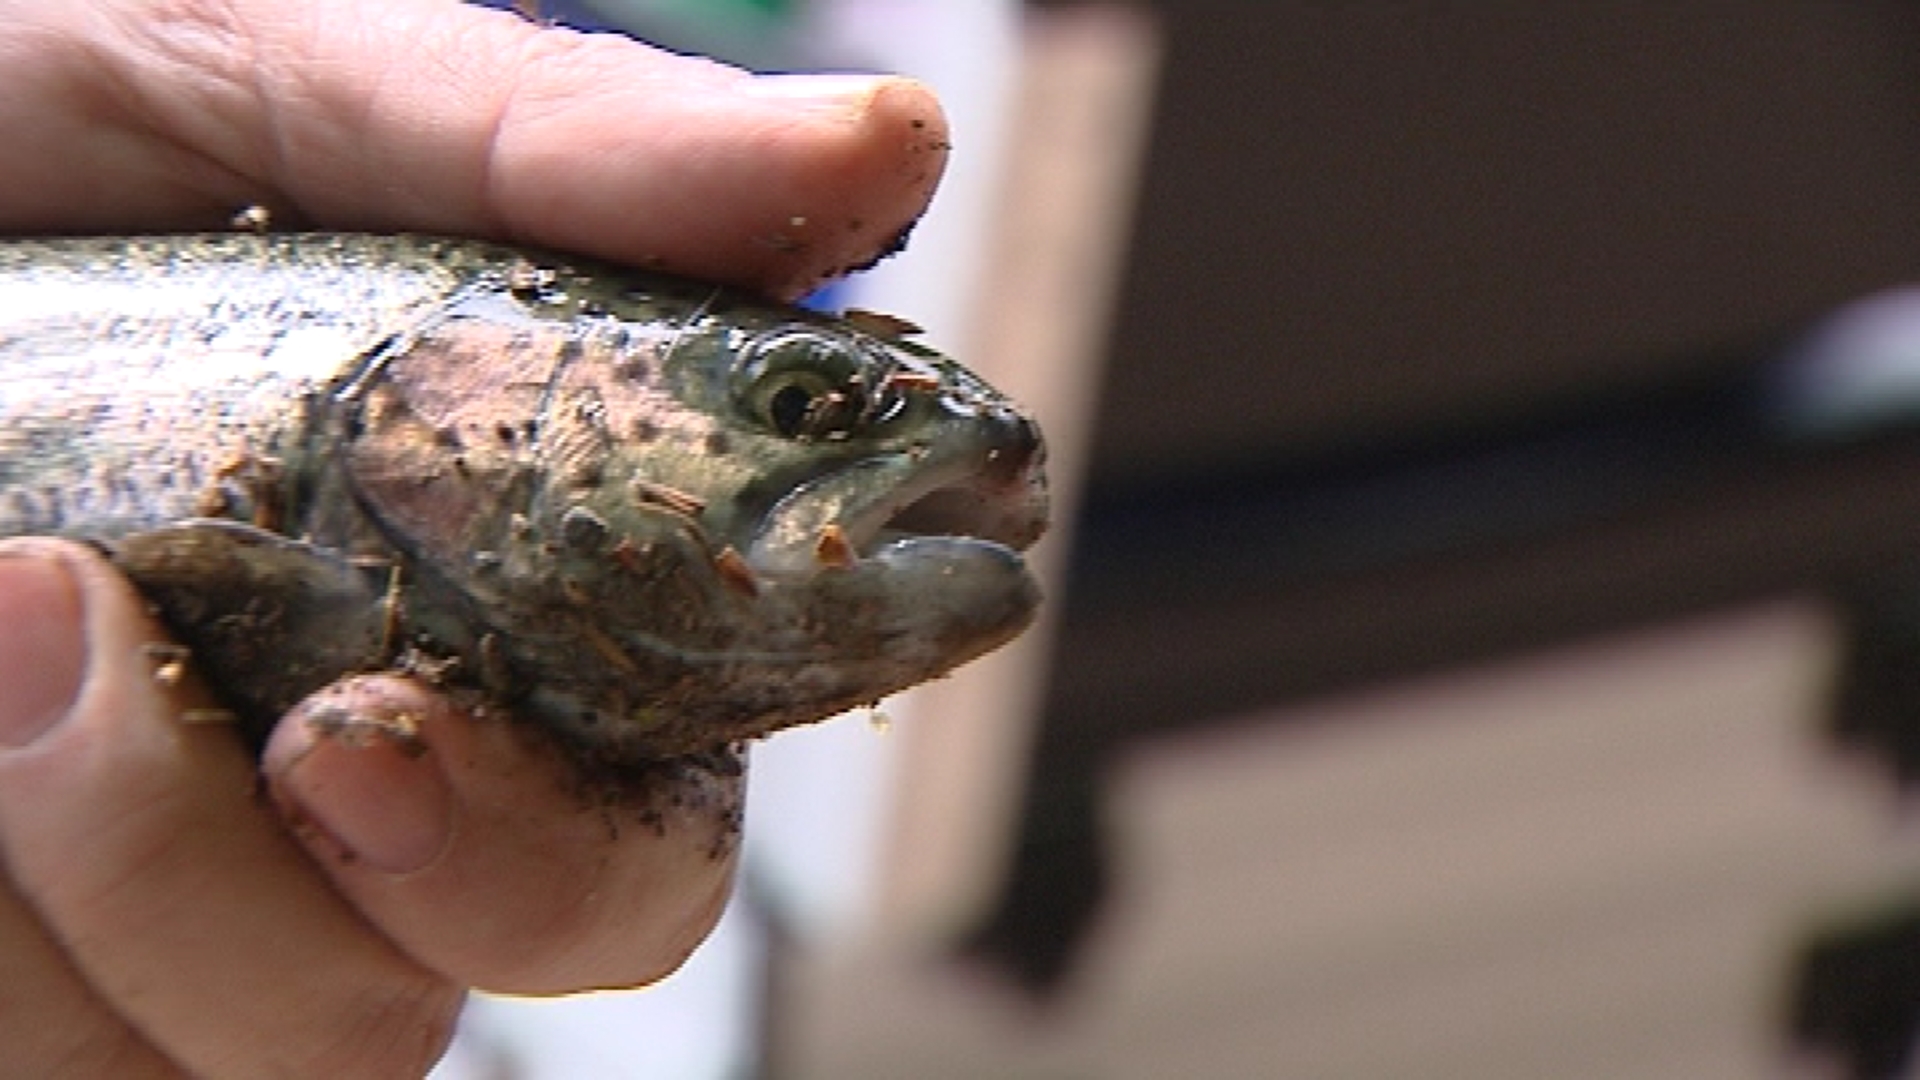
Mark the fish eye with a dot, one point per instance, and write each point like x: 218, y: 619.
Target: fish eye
x: 804, y: 385
x: 791, y: 403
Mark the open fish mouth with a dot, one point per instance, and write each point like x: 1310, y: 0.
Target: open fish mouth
x: 988, y: 490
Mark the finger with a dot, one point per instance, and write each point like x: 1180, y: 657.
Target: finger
x: 436, y: 116
x: 471, y: 847
x: 139, y: 842
x: 55, y: 1025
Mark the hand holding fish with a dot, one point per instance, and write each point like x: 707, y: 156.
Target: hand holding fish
x: 160, y: 916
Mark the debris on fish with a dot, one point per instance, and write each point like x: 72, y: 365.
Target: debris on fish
x: 648, y: 517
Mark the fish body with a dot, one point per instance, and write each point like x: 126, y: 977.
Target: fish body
x: 649, y: 517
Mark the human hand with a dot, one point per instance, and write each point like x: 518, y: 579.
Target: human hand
x: 160, y: 916
x: 419, y: 115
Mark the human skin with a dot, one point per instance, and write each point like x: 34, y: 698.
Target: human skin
x: 164, y: 912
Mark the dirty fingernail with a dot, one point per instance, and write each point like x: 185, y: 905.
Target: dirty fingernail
x: 357, y: 774
x: 43, y: 649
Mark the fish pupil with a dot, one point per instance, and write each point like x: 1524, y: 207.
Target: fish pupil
x: 787, y: 410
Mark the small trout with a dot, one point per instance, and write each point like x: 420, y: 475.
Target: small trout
x: 647, y: 517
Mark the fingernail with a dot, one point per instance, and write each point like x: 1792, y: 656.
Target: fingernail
x: 358, y: 776
x: 836, y: 92
x: 43, y: 648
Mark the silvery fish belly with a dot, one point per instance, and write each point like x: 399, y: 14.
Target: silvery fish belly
x: 648, y: 517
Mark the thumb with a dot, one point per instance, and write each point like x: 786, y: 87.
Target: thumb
x: 140, y: 844
x: 40, y: 640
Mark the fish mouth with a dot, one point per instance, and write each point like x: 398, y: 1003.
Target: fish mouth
x: 923, y: 500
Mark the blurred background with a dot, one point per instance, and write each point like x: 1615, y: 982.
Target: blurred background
x: 1485, y: 622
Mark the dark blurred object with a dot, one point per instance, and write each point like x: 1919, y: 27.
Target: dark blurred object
x: 1365, y: 223
x: 1448, y: 332
x: 1877, y: 693
x: 1856, y: 994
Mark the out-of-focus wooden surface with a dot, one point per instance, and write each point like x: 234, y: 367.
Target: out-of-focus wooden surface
x: 1596, y: 862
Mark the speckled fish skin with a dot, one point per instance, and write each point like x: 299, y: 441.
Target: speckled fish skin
x: 648, y: 516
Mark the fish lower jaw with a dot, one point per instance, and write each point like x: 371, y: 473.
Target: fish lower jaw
x: 890, y: 504
x: 800, y: 550
x: 835, y: 549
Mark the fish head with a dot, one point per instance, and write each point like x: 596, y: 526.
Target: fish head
x: 661, y: 534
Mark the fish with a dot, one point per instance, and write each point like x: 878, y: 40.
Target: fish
x: 646, y: 517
